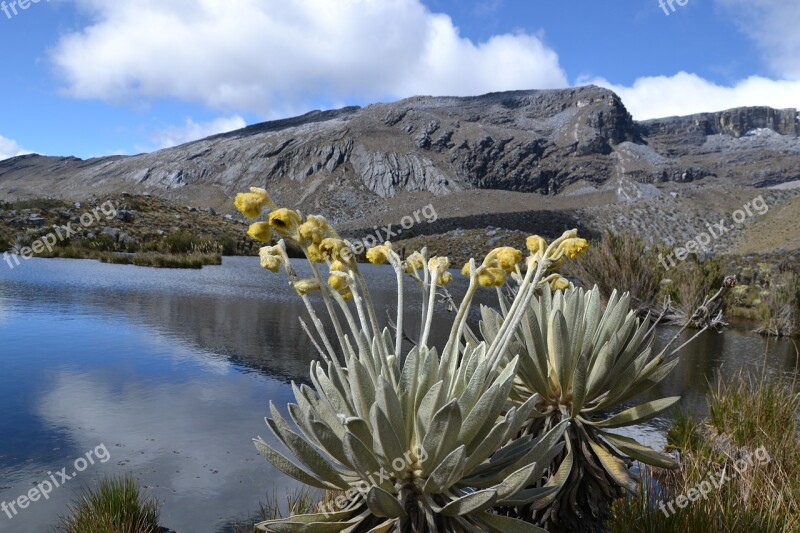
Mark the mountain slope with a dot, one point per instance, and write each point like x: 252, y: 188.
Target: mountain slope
x: 555, y: 150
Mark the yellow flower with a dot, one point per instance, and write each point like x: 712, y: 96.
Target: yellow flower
x: 261, y: 194
x: 338, y: 266
x: 260, y: 231
x: 338, y: 281
x: 465, y: 269
x: 574, y: 247
x: 559, y: 283
x: 249, y: 204
x: 414, y: 262
x: 508, y: 258
x: 536, y: 244
x: 284, y: 220
x: 314, y: 229
x: 438, y: 264
x: 445, y: 278
x: 379, y: 255
x: 306, y: 286
x: 347, y: 293
x: 492, y: 277
x: 334, y: 250
x: 314, y: 255
x: 271, y: 258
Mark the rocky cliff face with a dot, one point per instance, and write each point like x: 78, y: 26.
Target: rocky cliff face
x: 349, y: 162
x: 734, y: 122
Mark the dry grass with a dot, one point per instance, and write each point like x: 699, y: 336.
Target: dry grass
x: 301, y: 501
x: 763, y: 497
x: 779, y: 314
x: 623, y: 262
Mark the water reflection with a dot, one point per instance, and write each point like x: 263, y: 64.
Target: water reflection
x: 173, y: 371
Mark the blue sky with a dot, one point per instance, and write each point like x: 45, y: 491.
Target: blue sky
x: 100, y: 77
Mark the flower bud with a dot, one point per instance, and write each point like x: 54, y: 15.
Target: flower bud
x: 314, y: 255
x: 508, y: 258
x: 379, y: 255
x: 250, y: 204
x: 306, y: 286
x: 338, y: 281
x: 334, y: 250
x: 260, y: 231
x: 536, y: 244
x: 574, y: 247
x: 492, y: 277
x: 285, y: 221
x: 271, y: 258
x: 559, y: 283
x: 414, y: 262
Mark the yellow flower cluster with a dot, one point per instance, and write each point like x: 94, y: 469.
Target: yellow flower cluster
x: 496, y: 267
x: 380, y: 255
x: 568, y: 246
x: 501, y: 262
x: 321, y: 244
x: 319, y: 241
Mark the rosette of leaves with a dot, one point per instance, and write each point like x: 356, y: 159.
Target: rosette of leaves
x: 429, y: 444
x: 583, y: 362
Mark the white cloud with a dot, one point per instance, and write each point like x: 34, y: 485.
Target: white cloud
x: 9, y: 148
x: 275, y: 58
x: 278, y: 59
x: 686, y: 94
x: 773, y: 26
x: 192, y: 131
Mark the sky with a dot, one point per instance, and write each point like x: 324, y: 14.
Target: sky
x: 90, y: 78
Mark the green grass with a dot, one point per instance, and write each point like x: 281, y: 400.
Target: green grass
x: 745, y: 414
x: 193, y: 260
x: 116, y: 505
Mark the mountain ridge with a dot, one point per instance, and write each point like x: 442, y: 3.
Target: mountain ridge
x: 509, y: 152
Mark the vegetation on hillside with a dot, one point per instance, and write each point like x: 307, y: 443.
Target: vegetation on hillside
x: 126, y: 229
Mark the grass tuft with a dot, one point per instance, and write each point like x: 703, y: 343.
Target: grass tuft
x: 116, y: 505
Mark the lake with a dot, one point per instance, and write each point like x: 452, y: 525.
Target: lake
x: 171, y: 373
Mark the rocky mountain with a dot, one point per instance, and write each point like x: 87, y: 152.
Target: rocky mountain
x: 530, y: 154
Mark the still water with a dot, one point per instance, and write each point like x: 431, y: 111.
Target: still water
x: 172, y: 371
